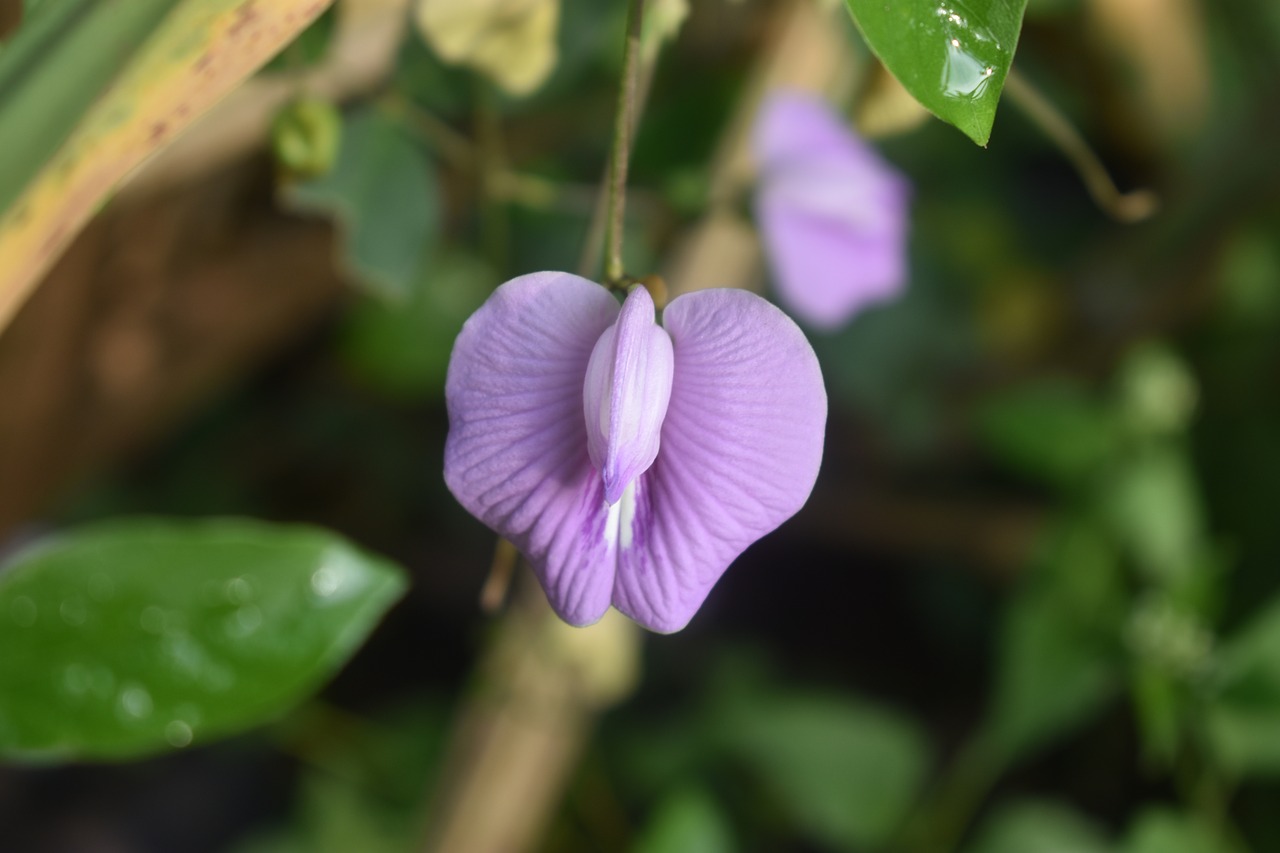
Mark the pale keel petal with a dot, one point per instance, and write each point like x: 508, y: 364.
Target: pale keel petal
x: 626, y: 392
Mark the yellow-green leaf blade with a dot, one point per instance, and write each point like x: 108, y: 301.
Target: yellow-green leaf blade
x: 194, y: 56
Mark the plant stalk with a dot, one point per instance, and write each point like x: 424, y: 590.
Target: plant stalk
x: 621, y: 155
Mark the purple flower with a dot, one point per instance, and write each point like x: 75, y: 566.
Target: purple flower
x: 631, y: 463
x: 833, y: 214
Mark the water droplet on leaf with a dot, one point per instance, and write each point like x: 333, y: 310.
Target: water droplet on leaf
x: 152, y: 620
x: 178, y: 734
x: 239, y: 590
x: 325, y: 581
x: 135, y: 702
x: 23, y: 612
x: 244, y: 621
x: 76, y: 679
x: 74, y: 611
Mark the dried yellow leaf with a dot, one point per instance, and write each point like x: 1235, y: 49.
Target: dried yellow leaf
x: 511, y: 41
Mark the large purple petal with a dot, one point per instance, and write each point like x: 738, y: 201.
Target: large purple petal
x: 516, y: 456
x: 833, y: 214
x: 741, y: 446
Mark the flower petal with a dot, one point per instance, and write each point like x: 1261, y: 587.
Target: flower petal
x: 793, y: 125
x: 741, y: 447
x: 516, y: 455
x: 826, y: 272
x: 625, y: 395
x: 833, y: 214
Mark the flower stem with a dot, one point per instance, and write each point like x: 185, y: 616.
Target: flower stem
x: 621, y: 155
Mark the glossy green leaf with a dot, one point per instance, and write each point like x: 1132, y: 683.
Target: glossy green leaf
x: 125, y: 638
x: 1039, y: 827
x: 952, y: 55
x: 382, y: 192
x: 847, y: 773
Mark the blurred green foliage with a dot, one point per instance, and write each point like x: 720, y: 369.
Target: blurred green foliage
x: 131, y: 637
x: 1105, y: 677
x: 382, y: 192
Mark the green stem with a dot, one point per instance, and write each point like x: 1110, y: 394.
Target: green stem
x: 621, y: 155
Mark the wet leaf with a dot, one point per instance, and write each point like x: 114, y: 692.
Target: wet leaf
x: 952, y: 55
x: 130, y: 637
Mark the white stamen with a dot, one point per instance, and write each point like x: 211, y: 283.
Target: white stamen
x: 619, y: 523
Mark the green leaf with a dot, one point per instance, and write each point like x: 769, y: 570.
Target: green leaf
x: 382, y: 192
x: 1158, y: 393
x: 686, y: 820
x: 952, y: 55
x: 362, y: 787
x: 335, y: 817
x: 1244, y: 710
x: 403, y: 348
x: 1059, y: 648
x: 1160, y: 830
x: 1039, y: 827
x: 1153, y: 502
x: 128, y: 637
x: 1055, y: 431
x: 846, y: 772
x: 1051, y: 677
x: 1160, y: 704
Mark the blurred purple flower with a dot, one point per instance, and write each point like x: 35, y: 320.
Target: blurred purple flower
x: 832, y: 212
x: 631, y: 463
